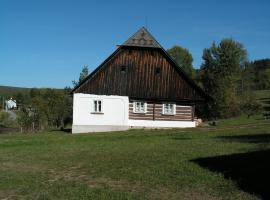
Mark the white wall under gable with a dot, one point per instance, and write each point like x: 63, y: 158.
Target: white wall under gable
x: 114, y: 114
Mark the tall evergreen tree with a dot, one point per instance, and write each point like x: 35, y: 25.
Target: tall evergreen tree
x: 84, y: 73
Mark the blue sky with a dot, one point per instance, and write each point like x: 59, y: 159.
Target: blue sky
x: 46, y: 43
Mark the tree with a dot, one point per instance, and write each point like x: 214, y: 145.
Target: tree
x: 24, y: 119
x: 250, y: 106
x: 84, y: 73
x: 256, y: 75
x: 183, y: 58
x: 54, y: 105
x: 5, y: 119
x: 247, y: 82
x: 21, y: 98
x: 262, y: 73
x: 34, y: 92
x: 48, y: 108
x: 220, y: 73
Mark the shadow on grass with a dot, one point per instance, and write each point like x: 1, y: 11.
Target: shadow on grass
x: 64, y: 130
x: 258, y: 138
x: 4, y: 129
x: 251, y: 171
x: 262, y: 119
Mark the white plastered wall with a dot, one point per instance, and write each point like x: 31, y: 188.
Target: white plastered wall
x: 114, y: 114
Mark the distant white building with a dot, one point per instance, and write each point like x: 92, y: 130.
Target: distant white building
x: 10, y: 104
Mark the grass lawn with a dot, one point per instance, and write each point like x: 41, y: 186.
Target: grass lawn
x: 228, y: 161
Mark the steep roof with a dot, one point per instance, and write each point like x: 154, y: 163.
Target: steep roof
x: 142, y: 38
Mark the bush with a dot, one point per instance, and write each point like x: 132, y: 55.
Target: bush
x: 250, y: 106
x: 28, y: 120
x: 5, y: 119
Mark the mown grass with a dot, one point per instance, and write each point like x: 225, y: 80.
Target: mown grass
x: 136, y: 164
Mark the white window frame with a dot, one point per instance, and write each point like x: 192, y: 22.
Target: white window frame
x: 94, y: 110
x: 140, y: 110
x: 164, y: 112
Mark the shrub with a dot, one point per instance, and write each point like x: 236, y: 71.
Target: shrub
x: 5, y: 119
x: 250, y: 106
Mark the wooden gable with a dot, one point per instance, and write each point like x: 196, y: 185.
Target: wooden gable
x: 141, y: 69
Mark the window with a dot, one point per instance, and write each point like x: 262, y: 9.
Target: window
x: 157, y: 71
x: 123, y: 69
x: 97, y: 106
x: 168, y: 109
x: 139, y: 107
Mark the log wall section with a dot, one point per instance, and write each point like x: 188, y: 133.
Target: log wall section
x: 154, y: 112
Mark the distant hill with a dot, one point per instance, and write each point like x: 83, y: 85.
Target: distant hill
x: 8, y: 91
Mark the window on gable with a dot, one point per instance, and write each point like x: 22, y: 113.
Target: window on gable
x: 97, y: 106
x: 139, y: 107
x: 157, y: 71
x: 123, y: 69
x: 168, y: 109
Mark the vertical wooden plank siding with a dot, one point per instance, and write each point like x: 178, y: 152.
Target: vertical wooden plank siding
x: 140, y: 79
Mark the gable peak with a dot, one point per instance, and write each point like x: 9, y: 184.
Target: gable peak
x: 142, y: 38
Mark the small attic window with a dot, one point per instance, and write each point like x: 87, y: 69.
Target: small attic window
x: 157, y: 71
x: 123, y: 69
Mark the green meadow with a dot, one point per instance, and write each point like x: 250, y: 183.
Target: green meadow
x: 227, y: 161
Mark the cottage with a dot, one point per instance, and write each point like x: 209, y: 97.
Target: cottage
x: 10, y: 104
x: 138, y: 85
